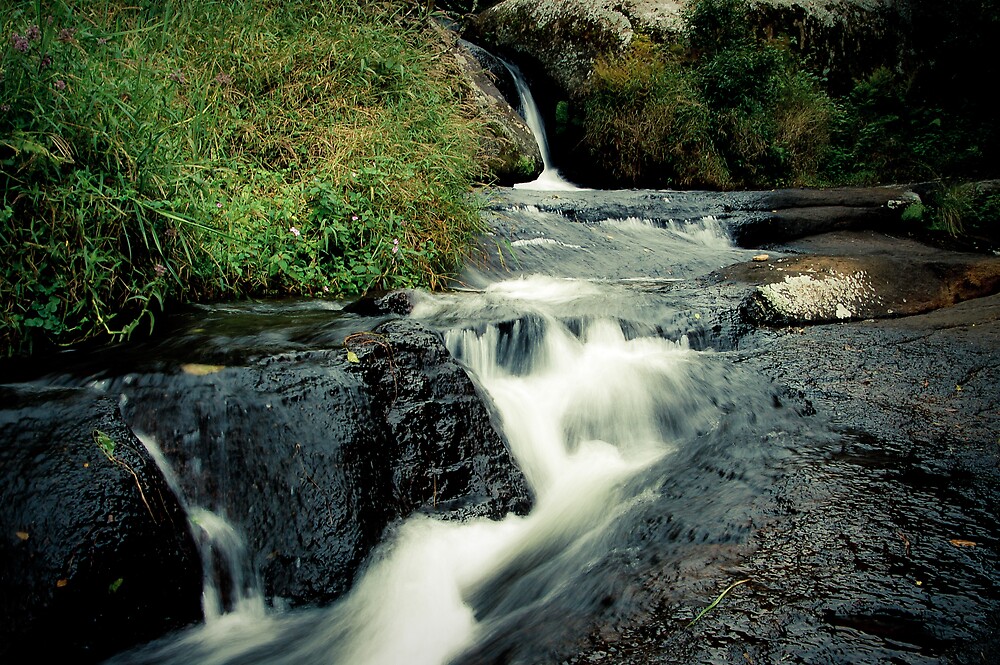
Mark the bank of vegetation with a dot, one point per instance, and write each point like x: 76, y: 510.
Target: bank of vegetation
x: 157, y: 152
x: 160, y: 151
x: 725, y: 107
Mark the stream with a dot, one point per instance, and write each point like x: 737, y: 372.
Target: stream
x: 667, y: 470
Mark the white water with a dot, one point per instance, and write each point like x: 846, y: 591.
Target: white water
x: 581, y: 415
x: 223, y: 552
x: 550, y: 179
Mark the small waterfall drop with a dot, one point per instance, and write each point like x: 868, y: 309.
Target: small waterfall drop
x: 550, y: 179
x: 230, y: 586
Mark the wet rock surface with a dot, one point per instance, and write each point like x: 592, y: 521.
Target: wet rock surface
x: 96, y: 554
x: 877, y: 545
x: 876, y: 539
x: 311, y: 454
x: 839, y: 498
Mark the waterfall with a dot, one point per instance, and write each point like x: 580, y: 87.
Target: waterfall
x: 230, y: 586
x: 550, y: 178
x: 592, y: 409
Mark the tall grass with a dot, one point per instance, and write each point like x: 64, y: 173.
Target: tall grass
x: 159, y: 151
x: 720, y: 110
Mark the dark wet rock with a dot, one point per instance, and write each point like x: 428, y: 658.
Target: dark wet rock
x: 447, y: 451
x: 511, y: 153
x: 785, y: 214
x: 876, y: 541
x: 375, y: 305
x: 313, y: 454
x: 96, y: 554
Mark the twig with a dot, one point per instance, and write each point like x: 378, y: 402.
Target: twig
x: 106, y: 444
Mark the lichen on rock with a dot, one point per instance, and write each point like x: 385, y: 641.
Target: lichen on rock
x: 813, y: 298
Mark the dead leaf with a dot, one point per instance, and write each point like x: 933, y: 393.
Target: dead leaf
x: 196, y: 369
x: 61, y: 583
x: 958, y: 542
x: 352, y: 357
x: 23, y: 535
x: 761, y: 257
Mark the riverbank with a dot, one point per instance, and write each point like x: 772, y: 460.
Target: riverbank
x: 192, y: 152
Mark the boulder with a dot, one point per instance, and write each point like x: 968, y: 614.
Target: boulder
x: 96, y: 554
x: 563, y: 37
x: 314, y: 454
x: 855, y: 275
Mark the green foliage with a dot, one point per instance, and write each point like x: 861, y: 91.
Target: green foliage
x: 961, y: 209
x: 885, y: 131
x: 728, y: 108
x: 642, y: 113
x: 726, y: 112
x: 164, y: 151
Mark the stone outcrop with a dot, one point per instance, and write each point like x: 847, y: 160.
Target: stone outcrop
x: 565, y: 38
x: 95, y: 554
x: 313, y: 454
x: 509, y: 149
x: 859, y: 275
x: 310, y: 455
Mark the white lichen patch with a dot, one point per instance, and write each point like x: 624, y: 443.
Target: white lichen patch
x: 826, y: 297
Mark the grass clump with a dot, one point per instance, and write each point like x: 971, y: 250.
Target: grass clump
x: 967, y: 211
x: 168, y: 151
x: 720, y: 110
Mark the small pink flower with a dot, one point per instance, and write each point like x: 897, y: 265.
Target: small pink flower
x: 354, y: 218
x: 395, y: 245
x: 295, y: 232
x: 60, y: 84
x: 218, y: 205
x: 160, y: 269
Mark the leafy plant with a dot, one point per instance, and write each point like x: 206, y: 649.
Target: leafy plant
x: 724, y: 111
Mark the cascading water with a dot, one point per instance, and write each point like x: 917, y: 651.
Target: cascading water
x: 595, y: 407
x: 550, y: 179
x: 603, y: 408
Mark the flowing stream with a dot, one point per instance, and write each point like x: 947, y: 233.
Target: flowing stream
x: 650, y: 454
x: 616, y: 421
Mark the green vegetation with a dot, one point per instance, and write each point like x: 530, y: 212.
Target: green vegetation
x: 959, y: 209
x: 160, y: 151
x: 727, y: 108
x: 721, y: 110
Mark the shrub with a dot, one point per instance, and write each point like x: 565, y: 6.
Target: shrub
x: 725, y: 111
x: 643, y: 115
